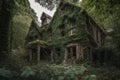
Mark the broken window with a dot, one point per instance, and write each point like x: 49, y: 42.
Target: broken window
x: 35, y: 37
x: 72, y: 27
x: 58, y: 51
x: 71, y: 51
x: 45, y: 54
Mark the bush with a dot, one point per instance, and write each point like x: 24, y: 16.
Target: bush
x: 27, y: 72
x: 55, y: 72
x: 5, y: 74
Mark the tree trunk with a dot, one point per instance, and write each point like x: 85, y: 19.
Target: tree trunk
x: 6, y: 9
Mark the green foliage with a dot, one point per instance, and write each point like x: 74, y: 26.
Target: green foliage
x: 106, y: 13
x: 15, y: 18
x: 105, y: 73
x: 90, y: 77
x: 18, y: 58
x: 38, y: 42
x: 5, y: 74
x: 59, y: 72
x: 27, y: 72
x: 6, y: 8
x: 20, y: 29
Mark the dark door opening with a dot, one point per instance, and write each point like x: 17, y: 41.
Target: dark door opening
x: 45, y: 54
x: 71, y: 52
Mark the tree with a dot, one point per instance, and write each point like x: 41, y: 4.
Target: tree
x: 6, y: 12
x: 103, y: 11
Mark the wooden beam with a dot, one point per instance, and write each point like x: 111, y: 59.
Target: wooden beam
x: 38, y: 54
x: 82, y: 53
x: 78, y: 51
x: 30, y: 55
x: 91, y: 57
x: 65, y: 56
x: 52, y: 59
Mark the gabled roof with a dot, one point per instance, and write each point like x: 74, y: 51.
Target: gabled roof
x: 44, y: 15
x: 35, y: 25
x: 70, y: 11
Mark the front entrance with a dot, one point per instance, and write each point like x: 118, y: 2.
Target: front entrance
x: 73, y: 52
x: 45, y: 55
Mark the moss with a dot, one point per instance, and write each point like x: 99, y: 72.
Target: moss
x: 38, y: 42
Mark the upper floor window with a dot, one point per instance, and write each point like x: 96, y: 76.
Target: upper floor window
x: 72, y: 28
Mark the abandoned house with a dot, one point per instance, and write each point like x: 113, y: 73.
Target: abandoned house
x: 70, y: 35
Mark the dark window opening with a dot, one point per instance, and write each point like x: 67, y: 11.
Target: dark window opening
x: 72, y: 27
x: 49, y: 35
x: 62, y: 30
x: 44, y: 54
x: 101, y: 39
x: 71, y: 52
x: 36, y: 36
x: 44, y: 22
x: 97, y: 35
x: 62, y: 33
x: 74, y: 51
x: 30, y: 38
x: 58, y: 50
x: 87, y: 53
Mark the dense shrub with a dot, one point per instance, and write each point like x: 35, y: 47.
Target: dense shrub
x: 5, y: 74
x: 57, y: 72
x: 61, y: 72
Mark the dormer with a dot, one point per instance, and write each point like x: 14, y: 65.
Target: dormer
x: 45, y: 19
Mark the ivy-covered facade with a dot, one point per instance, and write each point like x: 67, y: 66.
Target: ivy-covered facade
x: 71, y: 35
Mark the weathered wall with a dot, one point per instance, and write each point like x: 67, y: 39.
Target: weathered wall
x: 64, y: 14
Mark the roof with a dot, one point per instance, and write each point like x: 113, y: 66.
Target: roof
x: 72, y: 14
x: 35, y: 25
x: 67, y: 3
x: 45, y: 15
